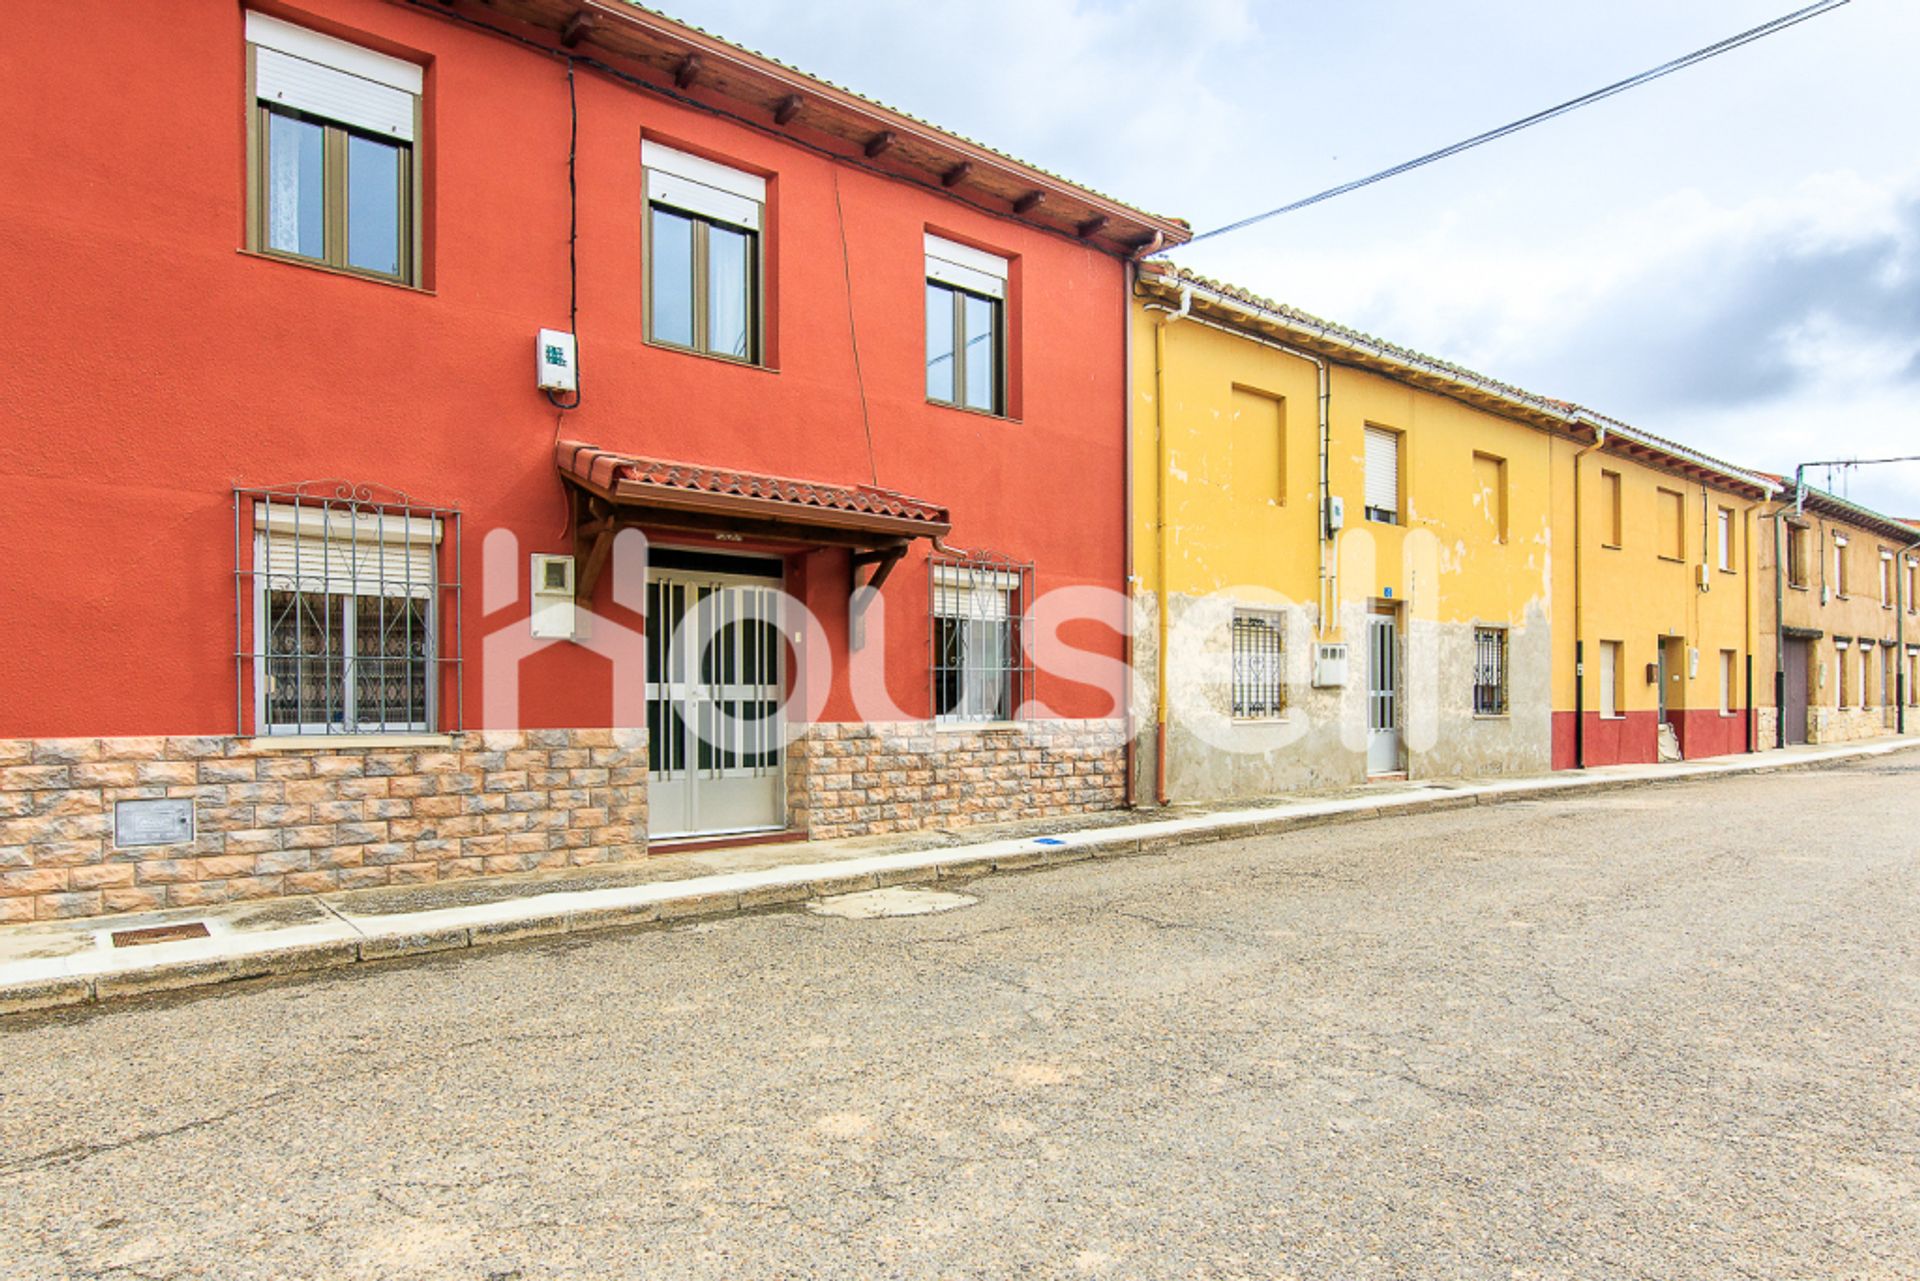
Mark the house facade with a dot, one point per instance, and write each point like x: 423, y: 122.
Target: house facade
x: 1659, y: 607
x: 465, y: 396
x: 1840, y: 647
x: 1343, y: 553
x: 1356, y: 561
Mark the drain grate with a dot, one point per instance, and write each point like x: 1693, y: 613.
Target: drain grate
x: 160, y: 934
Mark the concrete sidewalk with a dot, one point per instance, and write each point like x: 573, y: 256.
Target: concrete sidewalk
x: 64, y: 963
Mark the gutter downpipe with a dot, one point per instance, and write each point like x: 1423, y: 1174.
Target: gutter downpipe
x: 1579, y: 584
x: 1901, y: 661
x: 1163, y: 610
x: 1780, y: 619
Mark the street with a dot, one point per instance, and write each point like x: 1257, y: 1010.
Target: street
x: 1648, y: 1033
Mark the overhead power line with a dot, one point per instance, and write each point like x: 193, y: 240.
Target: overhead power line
x: 1540, y: 117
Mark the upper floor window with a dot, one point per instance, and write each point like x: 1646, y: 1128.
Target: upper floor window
x: 966, y: 327
x: 703, y: 254
x: 1383, y: 475
x: 1726, y: 538
x: 1798, y: 537
x: 1611, y: 507
x: 1673, y: 525
x: 1840, y: 583
x: 332, y: 160
x: 1886, y: 579
x: 1490, y: 482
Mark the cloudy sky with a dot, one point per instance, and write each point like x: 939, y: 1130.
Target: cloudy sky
x: 1730, y: 256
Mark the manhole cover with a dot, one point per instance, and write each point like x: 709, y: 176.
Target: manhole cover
x: 899, y: 900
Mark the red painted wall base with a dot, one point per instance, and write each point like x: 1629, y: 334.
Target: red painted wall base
x: 1634, y: 739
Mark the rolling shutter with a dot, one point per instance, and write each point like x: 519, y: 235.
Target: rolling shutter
x: 965, y: 267
x: 341, y: 82
x: 1383, y: 470
x: 700, y: 186
x: 981, y: 596
x: 311, y: 550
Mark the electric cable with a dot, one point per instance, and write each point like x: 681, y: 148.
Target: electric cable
x: 573, y: 247
x: 1539, y: 117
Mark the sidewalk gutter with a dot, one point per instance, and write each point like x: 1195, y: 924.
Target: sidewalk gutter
x: 348, y: 938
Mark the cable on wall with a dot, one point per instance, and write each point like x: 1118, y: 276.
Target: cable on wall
x: 573, y: 249
x: 853, y: 332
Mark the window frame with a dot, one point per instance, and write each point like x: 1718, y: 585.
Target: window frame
x: 1499, y: 705
x: 334, y: 198
x: 1677, y: 551
x: 1840, y: 576
x: 1799, y: 545
x: 1728, y: 538
x: 1729, y: 678
x: 1613, y: 655
x: 1248, y: 699
x: 382, y: 519
x: 1384, y: 515
x: 1498, y: 517
x: 702, y: 300
x: 1612, y: 488
x: 1015, y: 673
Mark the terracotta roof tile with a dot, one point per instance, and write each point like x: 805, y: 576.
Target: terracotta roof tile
x: 605, y: 469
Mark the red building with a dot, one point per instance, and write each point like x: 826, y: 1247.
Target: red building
x: 293, y: 534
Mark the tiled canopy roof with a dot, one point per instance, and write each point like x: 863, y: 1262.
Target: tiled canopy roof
x: 632, y: 480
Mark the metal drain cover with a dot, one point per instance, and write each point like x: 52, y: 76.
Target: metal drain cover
x: 159, y: 934
x: 895, y: 900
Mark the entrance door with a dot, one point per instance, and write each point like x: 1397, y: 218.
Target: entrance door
x: 717, y: 760
x: 1383, y: 691
x: 1795, y: 711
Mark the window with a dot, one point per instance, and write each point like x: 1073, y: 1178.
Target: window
x: 333, y: 178
x: 1913, y: 587
x: 347, y: 596
x: 702, y: 254
x: 1259, y: 446
x: 1726, y: 538
x: 1673, y: 525
x: 1841, y: 662
x: 1797, y: 539
x: 1866, y: 676
x: 1489, y: 671
x: 1259, y: 666
x: 1383, y: 475
x: 966, y: 327
x: 1610, y: 679
x: 980, y: 668
x: 1610, y: 504
x: 1913, y: 678
x: 1886, y: 579
x: 1490, y: 487
x: 1729, y: 661
x: 1839, y: 566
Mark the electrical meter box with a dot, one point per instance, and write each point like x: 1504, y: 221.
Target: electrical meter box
x: 1329, y: 666
x: 556, y: 361
x: 553, y: 597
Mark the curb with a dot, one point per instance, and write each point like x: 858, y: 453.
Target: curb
x: 95, y: 978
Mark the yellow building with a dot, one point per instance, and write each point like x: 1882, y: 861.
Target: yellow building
x: 1344, y: 555
x: 1658, y: 610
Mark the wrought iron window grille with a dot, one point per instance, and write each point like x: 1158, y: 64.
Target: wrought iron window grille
x: 977, y: 635
x: 1259, y: 666
x: 347, y: 617
x: 1489, y: 671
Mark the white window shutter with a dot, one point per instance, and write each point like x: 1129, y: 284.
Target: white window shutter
x: 701, y: 186
x: 1383, y: 470
x: 307, y: 71
x: 965, y: 267
x: 309, y: 550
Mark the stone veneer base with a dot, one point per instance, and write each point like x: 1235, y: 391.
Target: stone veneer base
x: 275, y: 818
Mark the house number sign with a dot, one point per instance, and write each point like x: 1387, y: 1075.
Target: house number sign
x: 168, y: 822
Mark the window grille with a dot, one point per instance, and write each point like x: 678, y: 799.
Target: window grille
x: 982, y: 668
x: 1490, y: 671
x: 1259, y: 666
x: 347, y: 611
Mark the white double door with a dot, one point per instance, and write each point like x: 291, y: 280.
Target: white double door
x: 715, y: 681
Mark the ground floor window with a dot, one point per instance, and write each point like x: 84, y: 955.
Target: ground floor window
x: 981, y: 666
x: 1729, y: 661
x: 1259, y: 665
x: 345, y: 600
x: 1610, y: 678
x: 1489, y: 671
x: 1866, y: 677
x: 1840, y: 663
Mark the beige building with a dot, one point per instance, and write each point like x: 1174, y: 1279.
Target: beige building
x: 1842, y: 615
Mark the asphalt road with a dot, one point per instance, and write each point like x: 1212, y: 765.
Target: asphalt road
x: 1670, y: 1032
